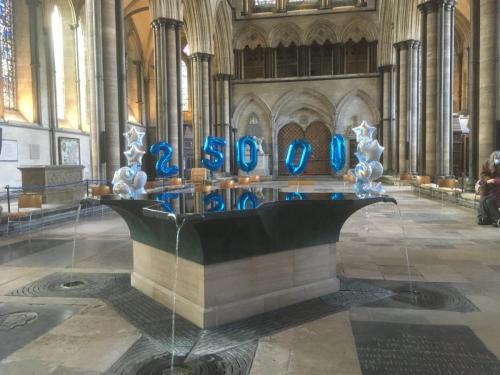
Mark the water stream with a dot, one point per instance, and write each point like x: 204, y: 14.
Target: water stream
x: 75, y: 234
x: 179, y: 226
x: 405, y: 247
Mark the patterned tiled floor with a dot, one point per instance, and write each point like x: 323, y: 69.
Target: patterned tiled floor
x: 373, y: 326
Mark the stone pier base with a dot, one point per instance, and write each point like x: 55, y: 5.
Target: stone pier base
x: 225, y: 292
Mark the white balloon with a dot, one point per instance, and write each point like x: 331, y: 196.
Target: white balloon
x: 139, y: 182
x: 122, y: 189
x: 377, y: 170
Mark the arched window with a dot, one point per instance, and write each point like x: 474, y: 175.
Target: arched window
x: 82, y: 74
x: 184, y: 86
x: 253, y: 62
x: 356, y: 56
x: 321, y: 59
x: 58, y: 49
x: 7, y: 57
x: 287, y: 60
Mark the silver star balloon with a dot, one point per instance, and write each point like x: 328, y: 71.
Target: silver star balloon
x: 364, y: 132
x: 369, y: 168
x: 374, y: 150
x: 134, y: 136
x: 134, y: 155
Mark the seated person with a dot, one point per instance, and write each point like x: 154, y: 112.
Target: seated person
x: 489, y: 189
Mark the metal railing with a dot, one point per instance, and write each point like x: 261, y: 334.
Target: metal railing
x: 12, y: 193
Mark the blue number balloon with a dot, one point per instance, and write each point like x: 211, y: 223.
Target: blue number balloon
x: 337, y: 153
x: 165, y: 198
x: 162, y: 168
x: 216, y: 200
x: 295, y: 196
x: 216, y: 156
x: 244, y: 165
x: 304, y: 157
x: 244, y: 199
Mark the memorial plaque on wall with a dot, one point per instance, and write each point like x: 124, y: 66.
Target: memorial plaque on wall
x: 9, y: 150
x: 413, y: 349
x: 69, y: 151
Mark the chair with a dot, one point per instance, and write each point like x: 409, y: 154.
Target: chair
x: 448, y: 186
x: 149, y: 185
x: 424, y: 183
x: 198, y: 175
x: 227, y: 184
x: 405, y: 179
x: 31, y: 202
x: 100, y: 190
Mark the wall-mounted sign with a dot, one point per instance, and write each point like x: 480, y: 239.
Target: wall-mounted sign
x: 9, y: 150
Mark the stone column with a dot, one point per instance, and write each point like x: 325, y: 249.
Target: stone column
x: 402, y: 106
x: 474, y: 71
x: 437, y: 91
x: 281, y: 6
x: 223, y: 115
x: 105, y: 102
x: 245, y: 11
x: 122, y: 78
x: 407, y: 104
x: 167, y: 71
x: 325, y: 4
x: 34, y: 14
x: 388, y: 121
x: 488, y: 101
x: 200, y: 70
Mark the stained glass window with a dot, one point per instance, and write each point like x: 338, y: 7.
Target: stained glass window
x: 7, y: 54
x: 58, y: 49
x: 184, y: 86
x: 303, y: 3
x: 264, y: 2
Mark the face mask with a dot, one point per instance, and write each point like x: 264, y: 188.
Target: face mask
x: 497, y: 162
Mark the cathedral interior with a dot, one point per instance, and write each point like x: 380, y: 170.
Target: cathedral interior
x: 91, y: 283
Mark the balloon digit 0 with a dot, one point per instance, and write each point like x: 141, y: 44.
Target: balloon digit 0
x: 304, y: 157
x: 246, y: 166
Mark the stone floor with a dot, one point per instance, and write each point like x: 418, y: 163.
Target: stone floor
x: 372, y: 326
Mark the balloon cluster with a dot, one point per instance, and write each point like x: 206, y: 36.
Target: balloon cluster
x: 368, y: 168
x: 128, y: 182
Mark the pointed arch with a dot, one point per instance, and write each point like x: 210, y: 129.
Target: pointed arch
x: 358, y: 29
x: 251, y: 36
x: 285, y: 33
x: 249, y: 105
x: 223, y: 39
x: 321, y: 32
x: 303, y: 106
x: 354, y: 107
x: 199, y: 28
x: 387, y: 38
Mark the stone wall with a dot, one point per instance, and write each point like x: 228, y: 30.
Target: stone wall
x: 339, y: 102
